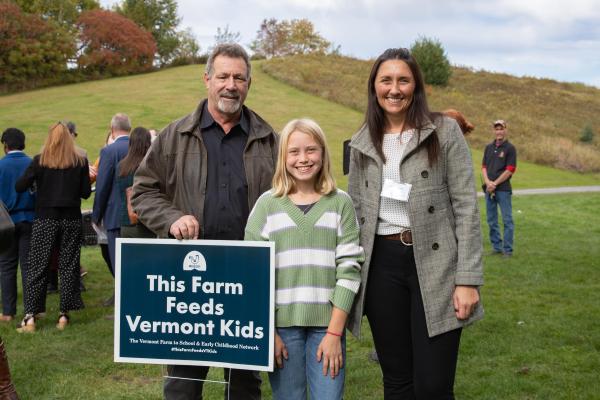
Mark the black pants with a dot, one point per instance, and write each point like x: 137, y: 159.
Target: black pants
x: 244, y: 385
x: 17, y: 253
x: 414, y: 365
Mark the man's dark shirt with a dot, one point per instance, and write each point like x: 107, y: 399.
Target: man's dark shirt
x: 497, y: 159
x: 226, y: 203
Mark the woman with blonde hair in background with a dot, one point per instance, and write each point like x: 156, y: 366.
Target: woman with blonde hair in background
x: 60, y: 175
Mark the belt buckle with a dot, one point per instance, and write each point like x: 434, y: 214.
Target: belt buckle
x: 402, y: 239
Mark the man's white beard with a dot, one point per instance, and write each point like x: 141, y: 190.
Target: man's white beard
x: 228, y: 106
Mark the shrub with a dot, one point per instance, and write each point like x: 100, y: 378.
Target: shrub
x: 587, y: 134
x: 432, y: 59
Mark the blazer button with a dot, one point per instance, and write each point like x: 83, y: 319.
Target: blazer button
x: 425, y: 174
x: 362, y: 220
x: 435, y: 246
x: 431, y: 209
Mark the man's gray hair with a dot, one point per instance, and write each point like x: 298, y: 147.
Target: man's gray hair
x: 120, y: 122
x: 232, y: 50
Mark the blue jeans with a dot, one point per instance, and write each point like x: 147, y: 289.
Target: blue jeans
x: 502, y: 199
x: 301, y: 367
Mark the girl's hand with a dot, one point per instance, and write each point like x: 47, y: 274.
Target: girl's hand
x: 465, y: 300
x: 330, y: 352
x: 280, y: 351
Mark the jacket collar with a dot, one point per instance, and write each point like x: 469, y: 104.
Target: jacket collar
x: 16, y: 153
x: 417, y: 139
x: 504, y: 143
x: 257, y: 127
x: 121, y: 137
x: 362, y: 142
x: 207, y: 120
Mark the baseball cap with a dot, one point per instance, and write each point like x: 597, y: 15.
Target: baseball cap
x: 500, y: 122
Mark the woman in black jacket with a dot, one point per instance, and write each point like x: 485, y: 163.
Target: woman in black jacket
x: 60, y: 175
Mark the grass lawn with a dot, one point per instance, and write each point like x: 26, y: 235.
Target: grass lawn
x: 539, y: 339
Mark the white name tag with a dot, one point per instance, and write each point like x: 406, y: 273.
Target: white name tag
x: 395, y: 190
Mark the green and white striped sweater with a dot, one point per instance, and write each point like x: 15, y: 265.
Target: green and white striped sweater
x: 317, y: 256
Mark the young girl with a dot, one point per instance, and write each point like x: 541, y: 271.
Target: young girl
x: 317, y: 258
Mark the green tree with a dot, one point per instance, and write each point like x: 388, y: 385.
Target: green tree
x: 33, y: 52
x: 64, y: 12
x: 303, y: 39
x: 432, y: 59
x: 159, y: 17
x: 283, y: 38
x: 188, y: 51
x: 271, y: 38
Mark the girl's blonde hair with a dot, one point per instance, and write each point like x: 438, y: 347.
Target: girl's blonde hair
x: 283, y: 182
x: 59, y: 149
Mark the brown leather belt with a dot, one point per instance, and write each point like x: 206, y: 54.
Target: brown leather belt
x: 404, y: 236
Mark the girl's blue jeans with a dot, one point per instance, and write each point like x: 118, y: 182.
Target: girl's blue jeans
x: 301, y: 369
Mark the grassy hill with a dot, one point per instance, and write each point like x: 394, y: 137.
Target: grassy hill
x: 153, y: 100
x: 545, y: 118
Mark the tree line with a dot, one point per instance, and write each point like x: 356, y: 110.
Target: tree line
x: 46, y: 43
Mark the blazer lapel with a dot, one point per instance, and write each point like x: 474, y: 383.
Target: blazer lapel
x: 362, y: 142
x: 417, y: 139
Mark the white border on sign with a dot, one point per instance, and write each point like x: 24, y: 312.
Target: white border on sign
x: 237, y: 243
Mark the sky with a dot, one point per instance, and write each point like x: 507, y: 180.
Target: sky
x: 539, y: 38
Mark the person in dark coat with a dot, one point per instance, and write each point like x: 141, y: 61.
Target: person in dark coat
x: 107, y: 202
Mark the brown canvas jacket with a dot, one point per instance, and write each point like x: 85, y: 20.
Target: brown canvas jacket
x: 171, y: 180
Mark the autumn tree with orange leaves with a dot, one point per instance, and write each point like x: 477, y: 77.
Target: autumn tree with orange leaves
x: 111, y: 44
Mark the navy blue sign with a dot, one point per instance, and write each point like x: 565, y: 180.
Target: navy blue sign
x: 195, y: 302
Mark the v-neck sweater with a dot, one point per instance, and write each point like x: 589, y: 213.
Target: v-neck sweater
x: 317, y: 256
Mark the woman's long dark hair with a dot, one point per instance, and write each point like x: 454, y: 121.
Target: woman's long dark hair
x: 417, y: 115
x: 139, y: 142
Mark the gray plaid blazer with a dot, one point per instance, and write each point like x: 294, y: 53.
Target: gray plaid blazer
x: 444, y: 216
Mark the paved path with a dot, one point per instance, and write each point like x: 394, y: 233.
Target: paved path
x: 555, y: 190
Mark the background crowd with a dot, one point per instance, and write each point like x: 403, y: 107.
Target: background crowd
x: 44, y: 195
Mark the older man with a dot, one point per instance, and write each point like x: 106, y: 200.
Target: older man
x: 200, y: 179
x: 107, y: 202
x: 498, y: 166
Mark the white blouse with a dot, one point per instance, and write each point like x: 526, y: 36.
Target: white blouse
x: 393, y: 214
